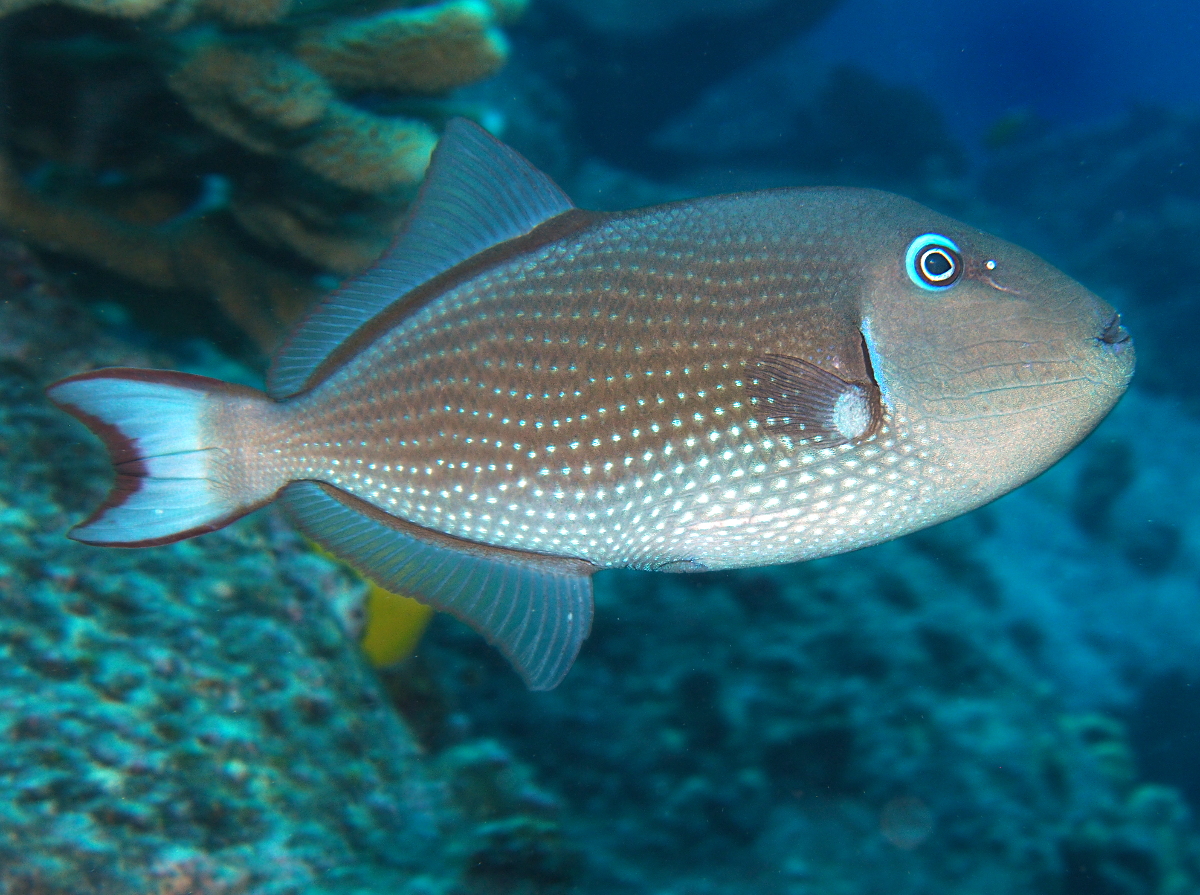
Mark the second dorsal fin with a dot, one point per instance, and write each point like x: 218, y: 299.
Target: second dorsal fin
x: 478, y: 193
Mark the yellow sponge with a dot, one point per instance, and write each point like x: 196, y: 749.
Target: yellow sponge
x: 394, y: 626
x: 394, y: 623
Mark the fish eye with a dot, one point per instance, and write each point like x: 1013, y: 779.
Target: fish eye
x: 933, y: 262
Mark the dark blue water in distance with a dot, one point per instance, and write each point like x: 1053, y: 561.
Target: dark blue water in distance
x: 1070, y: 62
x: 1008, y: 702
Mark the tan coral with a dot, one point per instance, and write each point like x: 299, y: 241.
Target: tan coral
x: 263, y: 99
x: 194, y: 256
x: 326, y: 244
x: 250, y: 95
x: 427, y: 50
x: 268, y: 77
x: 366, y: 152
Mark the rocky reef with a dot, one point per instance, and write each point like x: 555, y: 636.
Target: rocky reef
x: 195, y: 719
x: 924, y: 716
x: 233, y: 150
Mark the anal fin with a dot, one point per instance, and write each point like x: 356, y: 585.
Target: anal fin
x: 536, y: 609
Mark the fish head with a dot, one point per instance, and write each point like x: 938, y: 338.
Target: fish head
x: 1000, y: 361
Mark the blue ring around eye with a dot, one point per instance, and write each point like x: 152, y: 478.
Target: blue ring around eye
x: 917, y: 246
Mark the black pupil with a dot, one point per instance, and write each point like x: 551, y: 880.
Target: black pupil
x: 937, y: 264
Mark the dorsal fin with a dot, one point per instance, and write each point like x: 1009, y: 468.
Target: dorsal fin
x: 478, y: 193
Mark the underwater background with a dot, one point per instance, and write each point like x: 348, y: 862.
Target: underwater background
x: 1009, y: 702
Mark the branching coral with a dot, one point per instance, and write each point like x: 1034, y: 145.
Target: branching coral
x: 427, y: 50
x: 194, y: 255
x: 232, y: 148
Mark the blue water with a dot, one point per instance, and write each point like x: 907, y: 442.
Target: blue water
x: 1071, y: 62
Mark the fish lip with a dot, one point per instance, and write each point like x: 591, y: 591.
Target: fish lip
x: 1113, y: 335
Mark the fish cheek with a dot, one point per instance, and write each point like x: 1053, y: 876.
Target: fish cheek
x: 898, y: 334
x: 925, y: 346
x: 980, y: 375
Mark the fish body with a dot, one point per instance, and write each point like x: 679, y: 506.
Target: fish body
x: 521, y: 393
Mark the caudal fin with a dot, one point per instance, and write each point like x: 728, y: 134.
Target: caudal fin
x: 176, y: 474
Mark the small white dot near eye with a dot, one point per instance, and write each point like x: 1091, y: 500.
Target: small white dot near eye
x: 990, y: 265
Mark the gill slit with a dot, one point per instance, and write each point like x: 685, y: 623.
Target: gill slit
x: 870, y: 352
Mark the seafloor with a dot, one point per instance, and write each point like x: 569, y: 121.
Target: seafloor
x: 1005, y: 703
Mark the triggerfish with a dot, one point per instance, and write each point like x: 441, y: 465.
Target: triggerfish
x: 520, y: 393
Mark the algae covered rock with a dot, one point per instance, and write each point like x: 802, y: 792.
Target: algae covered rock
x: 194, y: 713
x: 230, y: 149
x: 194, y: 718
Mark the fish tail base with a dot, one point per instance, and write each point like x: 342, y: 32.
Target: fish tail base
x: 175, y: 476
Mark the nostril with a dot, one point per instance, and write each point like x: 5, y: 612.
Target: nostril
x: 1114, y: 333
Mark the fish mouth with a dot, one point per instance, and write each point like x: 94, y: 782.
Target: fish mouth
x: 1116, y: 356
x: 1114, y: 336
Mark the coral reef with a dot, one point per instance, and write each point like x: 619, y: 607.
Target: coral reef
x: 194, y: 718
x: 232, y: 149
x: 516, y: 843
x: 1004, y: 703
x: 191, y: 718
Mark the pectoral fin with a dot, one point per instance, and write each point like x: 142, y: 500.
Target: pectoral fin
x: 811, y: 405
